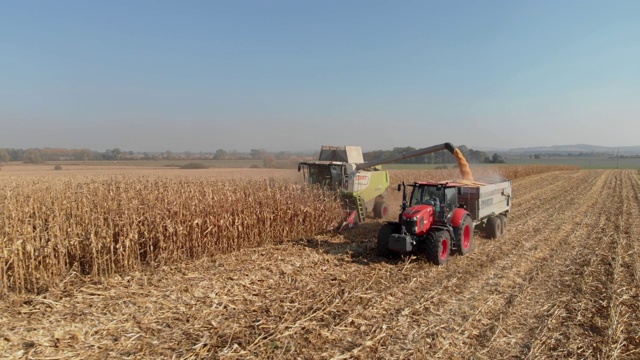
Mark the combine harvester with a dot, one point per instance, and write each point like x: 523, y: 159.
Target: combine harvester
x: 363, y: 185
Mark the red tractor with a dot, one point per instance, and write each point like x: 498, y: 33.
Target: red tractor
x: 439, y: 218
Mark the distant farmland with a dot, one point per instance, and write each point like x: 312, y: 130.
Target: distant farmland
x: 594, y: 162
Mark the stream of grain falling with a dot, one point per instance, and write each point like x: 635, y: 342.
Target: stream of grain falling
x: 465, y: 171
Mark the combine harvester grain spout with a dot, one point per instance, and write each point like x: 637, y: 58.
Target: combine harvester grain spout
x: 363, y: 185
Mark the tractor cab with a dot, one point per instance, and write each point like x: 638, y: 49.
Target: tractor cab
x: 441, y: 196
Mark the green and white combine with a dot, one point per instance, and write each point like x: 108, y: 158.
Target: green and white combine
x: 363, y: 185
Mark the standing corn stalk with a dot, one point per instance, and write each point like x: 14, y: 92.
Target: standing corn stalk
x: 100, y: 227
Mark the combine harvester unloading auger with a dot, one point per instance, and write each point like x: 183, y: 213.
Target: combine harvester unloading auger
x: 363, y: 185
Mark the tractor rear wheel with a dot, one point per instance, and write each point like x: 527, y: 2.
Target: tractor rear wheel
x: 493, y: 227
x: 380, y: 210
x: 464, y: 236
x: 382, y: 245
x: 503, y: 224
x: 438, y: 246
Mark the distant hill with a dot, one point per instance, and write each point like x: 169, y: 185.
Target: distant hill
x: 576, y: 149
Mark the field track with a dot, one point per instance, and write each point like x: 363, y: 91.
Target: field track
x: 563, y: 283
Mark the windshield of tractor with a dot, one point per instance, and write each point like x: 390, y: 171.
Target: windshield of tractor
x: 326, y: 175
x: 426, y: 195
x: 438, y: 196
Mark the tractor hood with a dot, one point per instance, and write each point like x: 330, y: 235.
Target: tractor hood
x: 418, y: 219
x: 418, y: 210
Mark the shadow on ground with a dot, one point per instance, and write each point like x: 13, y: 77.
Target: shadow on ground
x: 357, y: 245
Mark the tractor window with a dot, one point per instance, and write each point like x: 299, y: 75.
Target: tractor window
x: 424, y: 194
x: 452, y: 198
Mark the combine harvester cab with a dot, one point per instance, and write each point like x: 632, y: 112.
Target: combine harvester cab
x: 362, y: 185
x: 438, y: 218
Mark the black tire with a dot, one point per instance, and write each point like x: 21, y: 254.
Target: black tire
x: 438, y: 247
x: 464, y: 236
x: 380, y: 210
x: 382, y: 245
x: 503, y: 224
x: 493, y: 227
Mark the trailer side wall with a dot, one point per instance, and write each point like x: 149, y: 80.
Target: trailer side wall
x: 485, y: 200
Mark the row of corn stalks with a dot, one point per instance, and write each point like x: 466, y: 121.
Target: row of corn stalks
x: 50, y: 226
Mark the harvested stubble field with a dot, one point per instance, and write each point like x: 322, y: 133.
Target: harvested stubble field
x: 563, y: 283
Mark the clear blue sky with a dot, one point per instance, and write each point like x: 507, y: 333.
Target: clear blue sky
x: 293, y: 75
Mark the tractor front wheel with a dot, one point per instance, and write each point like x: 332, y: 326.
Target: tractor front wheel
x: 438, y: 246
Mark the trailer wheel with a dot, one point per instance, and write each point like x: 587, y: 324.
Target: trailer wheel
x: 493, y: 228
x: 503, y: 224
x: 464, y: 236
x: 380, y: 209
x: 438, y: 246
x: 382, y: 245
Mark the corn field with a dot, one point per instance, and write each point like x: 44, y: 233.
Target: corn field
x: 49, y: 227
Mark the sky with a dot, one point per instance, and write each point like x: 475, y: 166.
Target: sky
x: 293, y: 75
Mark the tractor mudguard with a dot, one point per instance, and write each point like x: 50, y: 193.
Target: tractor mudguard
x: 448, y: 229
x: 458, y: 215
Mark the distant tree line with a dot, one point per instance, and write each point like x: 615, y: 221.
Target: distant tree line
x: 440, y: 157
x: 270, y: 159
x: 38, y: 156
x: 549, y: 155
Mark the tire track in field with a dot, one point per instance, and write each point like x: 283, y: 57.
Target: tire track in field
x: 624, y: 326
x: 461, y: 274
x: 616, y: 294
x: 500, y: 296
x: 589, y: 303
x: 633, y: 227
x: 614, y: 301
x: 555, y: 317
x: 572, y: 182
x: 529, y: 187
